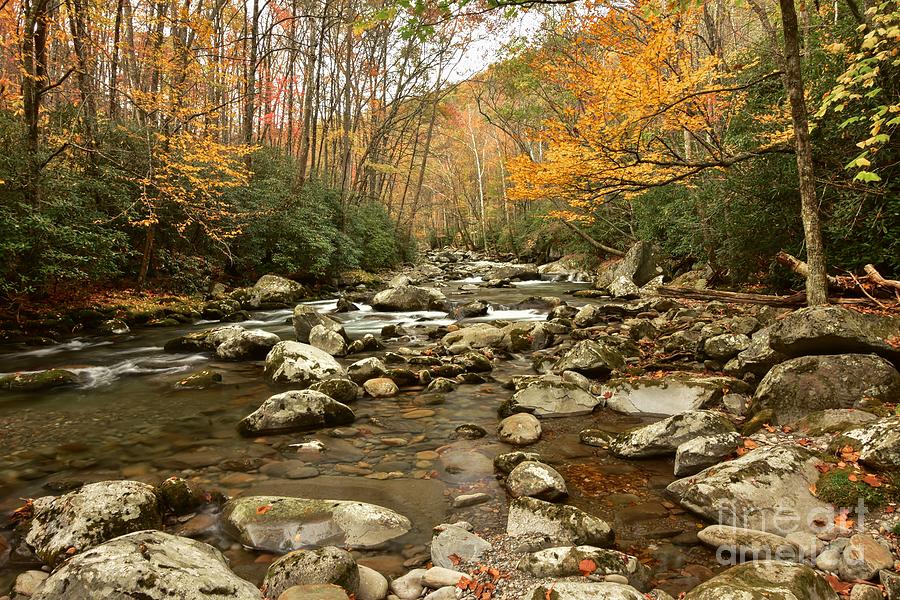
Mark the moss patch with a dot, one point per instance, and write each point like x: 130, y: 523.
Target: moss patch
x: 836, y: 487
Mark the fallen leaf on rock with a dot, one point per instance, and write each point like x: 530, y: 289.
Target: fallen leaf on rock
x: 587, y: 566
x: 841, y: 587
x: 872, y: 480
x: 261, y: 510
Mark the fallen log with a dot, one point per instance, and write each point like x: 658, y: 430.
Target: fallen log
x: 794, y: 300
x: 802, y: 269
x: 876, y: 277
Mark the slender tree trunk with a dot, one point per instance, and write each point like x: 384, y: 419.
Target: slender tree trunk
x: 250, y: 104
x: 114, y: 64
x: 816, y: 281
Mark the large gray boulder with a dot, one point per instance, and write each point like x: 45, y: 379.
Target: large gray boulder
x: 835, y: 330
x: 548, y: 398
x: 559, y: 524
x: 671, y: 395
x: 302, y: 364
x: 89, y: 516
x: 252, y: 344
x: 878, y: 443
x: 303, y: 567
x: 274, y: 289
x: 591, y: 358
x: 766, y: 489
x: 765, y: 580
x: 802, y: 385
x: 296, y: 410
x: 409, y: 298
x: 565, y: 561
x: 521, y: 272
x: 283, y: 524
x: 640, y: 264
x: 150, y: 565
x: 664, y: 437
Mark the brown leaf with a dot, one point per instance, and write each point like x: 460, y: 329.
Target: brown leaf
x: 852, y: 477
x: 872, y: 480
x: 261, y: 510
x: 750, y: 444
x: 837, y: 585
x: 768, y: 428
x: 455, y: 559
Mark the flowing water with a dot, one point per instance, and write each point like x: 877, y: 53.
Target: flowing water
x: 128, y: 421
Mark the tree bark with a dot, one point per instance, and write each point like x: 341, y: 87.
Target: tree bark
x: 816, y: 280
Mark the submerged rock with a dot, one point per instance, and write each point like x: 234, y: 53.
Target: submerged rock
x: 293, y: 362
x: 519, y: 429
x: 89, y: 516
x: 150, y: 565
x: 297, y: 410
x: 799, y: 386
x: 283, y: 524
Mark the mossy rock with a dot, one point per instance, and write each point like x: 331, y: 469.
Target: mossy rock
x: 756, y: 422
x: 836, y: 487
x: 38, y: 381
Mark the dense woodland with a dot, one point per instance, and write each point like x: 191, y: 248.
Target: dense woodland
x: 180, y: 142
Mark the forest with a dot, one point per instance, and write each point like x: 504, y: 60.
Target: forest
x: 185, y: 142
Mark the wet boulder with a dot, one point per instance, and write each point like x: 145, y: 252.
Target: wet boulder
x: 89, y: 516
x: 381, y: 387
x: 38, y: 381
x: 835, y: 330
x: 296, y: 410
x: 548, y: 398
x: 536, y: 480
x: 766, y: 489
x: 409, y: 298
x: 591, y: 358
x: 802, y: 385
x: 205, y: 340
x: 254, y: 344
x: 526, y: 335
x: 664, y: 437
x: 150, y: 565
x: 558, y: 524
x: 764, y: 580
x: 282, y: 524
x: 328, y: 565
x: 293, y: 362
x: 671, y: 395
x: 505, y: 463
x: 565, y: 561
x: 274, y: 290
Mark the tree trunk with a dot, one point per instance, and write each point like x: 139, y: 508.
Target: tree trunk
x: 816, y: 281
x: 114, y: 66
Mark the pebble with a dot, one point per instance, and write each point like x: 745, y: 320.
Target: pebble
x: 427, y: 455
x: 418, y: 413
x: 470, y: 500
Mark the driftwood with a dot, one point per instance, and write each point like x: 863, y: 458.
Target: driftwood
x: 875, y: 277
x: 802, y: 269
x: 871, y: 284
x: 798, y: 299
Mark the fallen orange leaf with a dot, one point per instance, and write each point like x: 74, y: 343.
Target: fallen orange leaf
x: 587, y: 566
